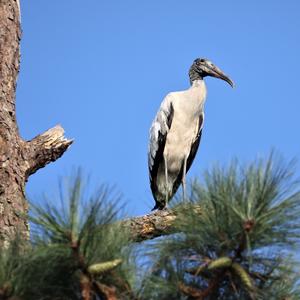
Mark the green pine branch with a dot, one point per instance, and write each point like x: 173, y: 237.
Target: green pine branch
x: 79, y: 250
x: 233, y: 239
x: 233, y: 249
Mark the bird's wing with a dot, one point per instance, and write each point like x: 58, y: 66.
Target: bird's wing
x: 192, y: 154
x: 158, y: 135
x: 195, y: 144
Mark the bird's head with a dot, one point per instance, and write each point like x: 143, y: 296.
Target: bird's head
x: 202, y: 67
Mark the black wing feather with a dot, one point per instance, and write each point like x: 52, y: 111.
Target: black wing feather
x: 158, y: 157
x: 195, y: 145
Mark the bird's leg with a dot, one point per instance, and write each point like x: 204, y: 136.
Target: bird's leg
x: 183, y: 179
x: 167, y: 179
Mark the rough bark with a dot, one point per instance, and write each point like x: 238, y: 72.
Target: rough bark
x: 18, y: 158
x: 158, y: 223
x: 151, y: 225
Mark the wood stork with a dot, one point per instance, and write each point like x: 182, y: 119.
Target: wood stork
x: 176, y: 131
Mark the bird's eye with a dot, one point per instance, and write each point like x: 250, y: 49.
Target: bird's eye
x: 202, y: 60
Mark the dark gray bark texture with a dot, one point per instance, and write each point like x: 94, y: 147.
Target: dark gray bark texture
x: 18, y: 158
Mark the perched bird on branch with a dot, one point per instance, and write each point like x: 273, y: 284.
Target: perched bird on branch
x: 176, y: 131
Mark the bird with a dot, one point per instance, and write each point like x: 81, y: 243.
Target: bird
x: 176, y: 131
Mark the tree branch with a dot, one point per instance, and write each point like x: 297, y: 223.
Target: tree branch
x: 46, y: 148
x: 151, y: 225
x: 157, y: 223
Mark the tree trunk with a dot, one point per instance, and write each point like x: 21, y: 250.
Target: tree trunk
x: 18, y: 158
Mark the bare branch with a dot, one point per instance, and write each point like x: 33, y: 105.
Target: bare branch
x: 157, y: 223
x: 151, y: 225
x: 46, y: 148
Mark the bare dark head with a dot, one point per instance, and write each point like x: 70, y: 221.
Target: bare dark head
x: 202, y: 67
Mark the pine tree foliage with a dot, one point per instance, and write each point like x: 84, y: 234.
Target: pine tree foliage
x: 78, y: 250
x: 232, y: 240
x: 237, y: 245
x: 11, y: 259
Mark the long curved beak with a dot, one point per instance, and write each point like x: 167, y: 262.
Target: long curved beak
x: 214, y: 71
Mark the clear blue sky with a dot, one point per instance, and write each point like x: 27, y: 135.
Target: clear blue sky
x: 101, y: 69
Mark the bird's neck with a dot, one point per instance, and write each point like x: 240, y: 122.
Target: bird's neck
x: 197, y: 83
x: 194, y: 76
x: 198, y: 90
